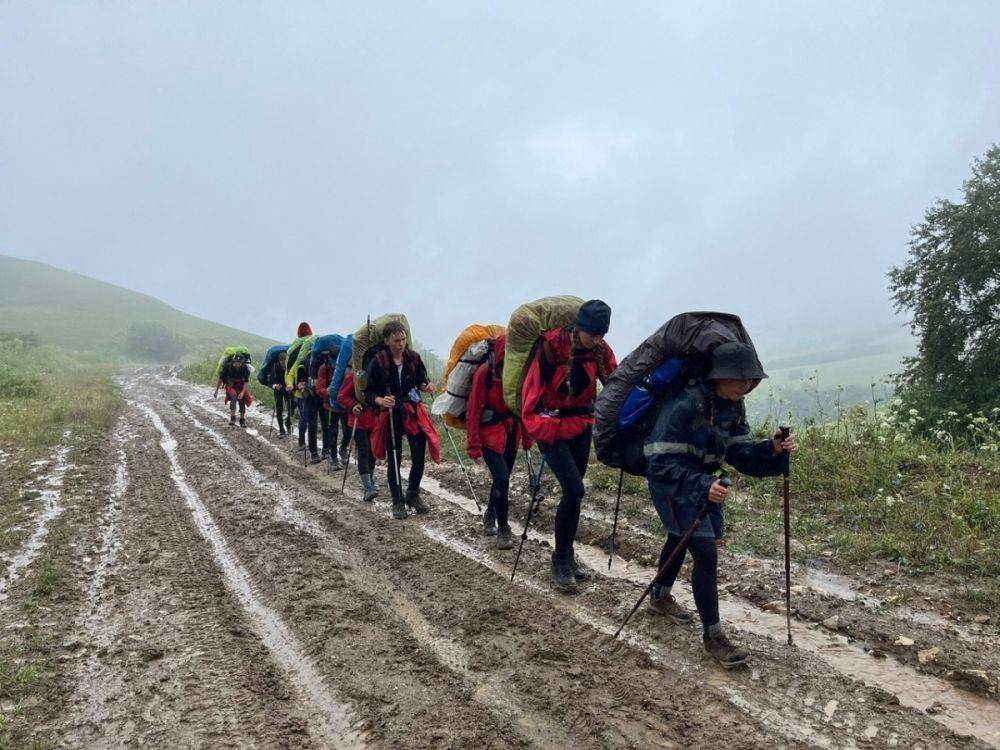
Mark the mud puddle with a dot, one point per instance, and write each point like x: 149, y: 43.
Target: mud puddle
x: 333, y: 722
x: 961, y: 711
x: 49, y: 500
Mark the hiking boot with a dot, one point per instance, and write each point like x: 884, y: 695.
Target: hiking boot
x: 398, y: 508
x: 562, y: 574
x: 281, y: 430
x: 314, y: 459
x: 343, y: 456
x: 232, y: 420
x: 243, y: 422
x: 504, y: 540
x: 490, y: 522
x: 414, y: 501
x: 325, y: 452
x: 580, y: 573
x: 724, y: 652
x: 371, y: 491
x: 335, y: 465
x: 667, y: 605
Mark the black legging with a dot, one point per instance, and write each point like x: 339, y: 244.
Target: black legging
x: 279, y: 406
x: 366, y: 461
x: 418, y: 444
x: 568, y: 461
x: 704, y: 574
x: 337, y: 423
x: 500, y: 466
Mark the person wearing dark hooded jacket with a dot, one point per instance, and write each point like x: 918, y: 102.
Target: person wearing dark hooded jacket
x: 698, y: 428
x: 557, y: 410
x: 276, y: 382
x: 235, y: 376
x: 493, y: 435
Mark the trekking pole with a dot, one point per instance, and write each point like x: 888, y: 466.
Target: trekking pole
x: 786, y: 470
x: 681, y: 546
x: 458, y: 455
x: 270, y: 427
x: 343, y: 482
x: 533, y: 504
x: 395, y: 456
x: 614, y: 526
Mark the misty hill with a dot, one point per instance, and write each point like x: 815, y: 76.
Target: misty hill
x: 104, y: 321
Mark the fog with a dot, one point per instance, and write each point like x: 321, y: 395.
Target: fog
x: 258, y: 164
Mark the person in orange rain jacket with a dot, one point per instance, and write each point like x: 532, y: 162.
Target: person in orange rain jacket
x: 557, y: 410
x: 366, y: 419
x: 396, y: 377
x: 493, y: 434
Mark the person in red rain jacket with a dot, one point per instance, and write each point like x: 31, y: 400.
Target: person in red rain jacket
x: 493, y: 433
x: 557, y: 410
x: 366, y: 419
x: 335, y: 421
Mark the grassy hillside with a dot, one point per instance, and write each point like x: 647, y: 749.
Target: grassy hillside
x: 102, y: 322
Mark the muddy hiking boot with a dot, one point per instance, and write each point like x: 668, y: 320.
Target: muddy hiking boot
x: 335, y: 464
x: 580, y: 573
x: 504, y: 539
x: 726, y: 653
x: 343, y: 456
x: 666, y: 605
x: 562, y: 574
x: 398, y: 508
x: 414, y: 501
x: 315, y: 459
x: 243, y: 421
x: 371, y: 491
x: 490, y: 522
x: 232, y: 419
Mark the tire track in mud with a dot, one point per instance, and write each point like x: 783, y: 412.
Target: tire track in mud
x: 332, y: 722
x: 845, y: 718
x: 489, y: 688
x: 50, y: 508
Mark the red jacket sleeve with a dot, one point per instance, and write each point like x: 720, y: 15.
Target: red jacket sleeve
x: 541, y: 428
x: 323, y: 384
x: 473, y: 411
x: 610, y: 363
x: 345, y: 396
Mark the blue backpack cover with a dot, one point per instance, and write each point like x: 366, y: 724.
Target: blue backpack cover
x: 270, y: 357
x: 327, y: 344
x: 343, y: 362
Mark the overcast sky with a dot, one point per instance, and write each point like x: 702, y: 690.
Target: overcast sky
x: 261, y: 163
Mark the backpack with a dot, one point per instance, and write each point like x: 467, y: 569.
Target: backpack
x: 527, y: 323
x: 366, y: 343
x: 227, y: 357
x: 270, y: 357
x: 473, y: 346
x: 340, y: 370
x: 323, y: 346
x: 678, y: 352
x: 298, y: 352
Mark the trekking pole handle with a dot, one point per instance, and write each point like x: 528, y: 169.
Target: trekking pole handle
x: 785, y: 431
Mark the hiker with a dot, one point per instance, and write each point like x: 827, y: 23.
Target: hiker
x: 235, y: 376
x: 366, y: 419
x: 396, y: 375
x: 276, y: 382
x: 493, y: 435
x: 557, y: 411
x: 698, y: 427
x: 333, y: 420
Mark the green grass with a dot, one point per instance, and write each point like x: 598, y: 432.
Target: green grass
x: 43, y: 391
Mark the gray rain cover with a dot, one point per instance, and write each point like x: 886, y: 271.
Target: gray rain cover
x: 691, y: 336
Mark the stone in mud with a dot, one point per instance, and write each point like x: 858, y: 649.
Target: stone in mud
x: 928, y: 654
x: 903, y: 641
x: 777, y: 606
x: 981, y: 619
x: 832, y: 623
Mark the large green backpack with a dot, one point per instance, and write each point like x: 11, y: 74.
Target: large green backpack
x: 366, y: 339
x: 527, y: 324
x: 227, y: 356
x: 298, y: 352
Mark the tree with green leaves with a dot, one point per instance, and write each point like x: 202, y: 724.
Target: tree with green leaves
x: 951, y: 286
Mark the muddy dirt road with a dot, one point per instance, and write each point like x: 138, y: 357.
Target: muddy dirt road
x: 221, y: 594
